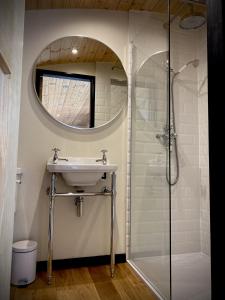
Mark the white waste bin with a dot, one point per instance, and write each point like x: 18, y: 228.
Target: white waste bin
x: 24, y: 257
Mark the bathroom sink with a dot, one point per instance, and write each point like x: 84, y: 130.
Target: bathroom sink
x: 79, y: 171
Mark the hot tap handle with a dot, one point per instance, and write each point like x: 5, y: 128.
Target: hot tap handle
x: 56, y: 150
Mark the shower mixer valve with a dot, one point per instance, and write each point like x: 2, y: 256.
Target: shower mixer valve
x: 168, y: 138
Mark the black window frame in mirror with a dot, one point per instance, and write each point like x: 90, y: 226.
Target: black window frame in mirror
x: 91, y: 79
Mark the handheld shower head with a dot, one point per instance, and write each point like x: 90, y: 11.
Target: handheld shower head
x: 194, y: 63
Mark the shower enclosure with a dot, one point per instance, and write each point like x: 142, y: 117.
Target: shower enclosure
x: 169, y: 236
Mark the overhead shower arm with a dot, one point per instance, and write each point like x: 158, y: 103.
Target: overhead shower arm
x: 166, y: 24
x: 195, y: 2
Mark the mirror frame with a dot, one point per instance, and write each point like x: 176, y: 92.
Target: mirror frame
x: 66, y: 126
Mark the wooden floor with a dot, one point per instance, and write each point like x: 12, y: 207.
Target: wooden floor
x: 92, y: 283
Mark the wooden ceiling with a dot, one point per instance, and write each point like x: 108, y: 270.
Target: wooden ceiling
x: 59, y: 52
x: 178, y: 7
x: 89, y: 51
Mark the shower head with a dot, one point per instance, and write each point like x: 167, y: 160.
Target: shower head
x: 194, y: 63
x: 192, y: 20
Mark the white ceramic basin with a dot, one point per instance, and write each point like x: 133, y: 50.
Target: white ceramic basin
x: 80, y: 171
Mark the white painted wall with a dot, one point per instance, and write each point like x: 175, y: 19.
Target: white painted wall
x: 74, y: 237
x: 148, y: 36
x: 11, y: 43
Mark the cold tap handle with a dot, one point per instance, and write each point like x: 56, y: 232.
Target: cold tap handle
x: 55, y: 156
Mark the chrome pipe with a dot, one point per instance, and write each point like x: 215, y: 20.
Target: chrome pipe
x: 112, y: 246
x: 53, y: 194
x: 82, y: 194
x: 80, y: 208
x: 51, y: 227
x: 79, y: 204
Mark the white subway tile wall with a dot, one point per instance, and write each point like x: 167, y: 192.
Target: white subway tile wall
x: 102, y: 92
x: 185, y: 195
x: 149, y: 189
x: 150, y: 192
x: 203, y: 144
x: 109, y: 95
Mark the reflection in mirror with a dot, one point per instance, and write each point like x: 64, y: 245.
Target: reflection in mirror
x: 69, y: 98
x: 80, y: 82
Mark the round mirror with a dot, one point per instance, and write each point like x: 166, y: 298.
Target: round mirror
x: 80, y: 82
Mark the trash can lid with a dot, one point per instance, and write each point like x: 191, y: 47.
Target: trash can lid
x: 24, y: 246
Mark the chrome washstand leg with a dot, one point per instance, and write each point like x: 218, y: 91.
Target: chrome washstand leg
x: 51, y: 227
x: 113, y: 215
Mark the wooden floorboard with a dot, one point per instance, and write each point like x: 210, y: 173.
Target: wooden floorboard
x: 93, y: 283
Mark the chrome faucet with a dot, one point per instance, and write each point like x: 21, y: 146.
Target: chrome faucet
x: 104, y: 158
x: 56, y: 157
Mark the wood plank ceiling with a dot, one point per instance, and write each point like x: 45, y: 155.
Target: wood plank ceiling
x: 89, y: 51
x: 178, y: 7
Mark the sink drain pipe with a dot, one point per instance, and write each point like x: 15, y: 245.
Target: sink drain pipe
x: 79, y: 200
x: 79, y: 204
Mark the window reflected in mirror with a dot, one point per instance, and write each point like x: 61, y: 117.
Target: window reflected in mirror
x: 69, y: 98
